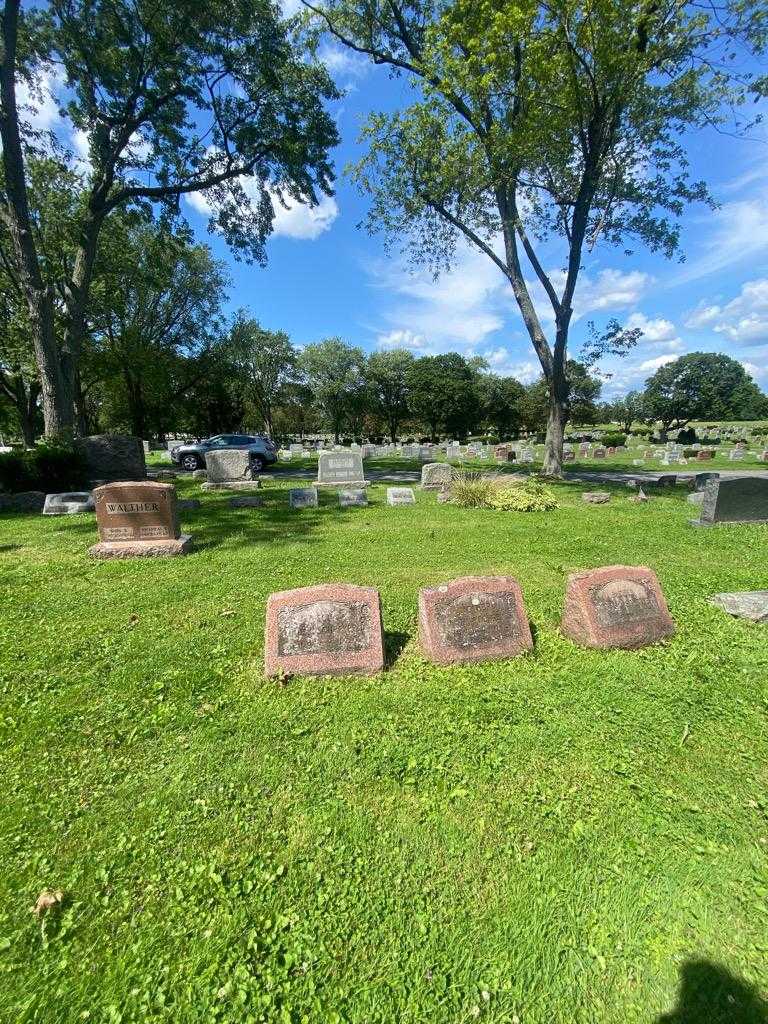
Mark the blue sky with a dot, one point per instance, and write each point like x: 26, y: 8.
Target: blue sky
x: 327, y: 276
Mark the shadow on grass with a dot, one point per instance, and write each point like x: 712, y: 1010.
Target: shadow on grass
x: 710, y: 994
x: 394, y: 644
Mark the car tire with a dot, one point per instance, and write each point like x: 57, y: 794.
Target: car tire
x: 191, y: 462
x: 257, y: 463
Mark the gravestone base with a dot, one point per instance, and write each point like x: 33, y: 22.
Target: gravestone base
x: 142, y: 549
x: 349, y: 485
x: 729, y: 522
x: 231, y: 485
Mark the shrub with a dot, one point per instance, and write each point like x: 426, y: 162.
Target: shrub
x: 613, y: 440
x: 470, y: 489
x: 50, y: 466
x: 686, y: 436
x: 530, y: 496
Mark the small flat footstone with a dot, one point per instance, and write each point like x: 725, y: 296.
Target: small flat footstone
x: 596, y: 497
x: 744, y: 604
x: 231, y: 485
x: 302, y: 497
x: 188, y: 504
x: 352, y: 497
x: 400, y: 496
x: 68, y: 504
x: 246, y: 501
x: 331, y: 629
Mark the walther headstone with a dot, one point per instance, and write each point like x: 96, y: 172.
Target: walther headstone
x: 616, y: 606
x: 336, y: 468
x: 742, y: 500
x: 138, y: 519
x: 331, y: 629
x: 113, y: 457
x: 229, y: 470
x: 476, y: 618
x: 436, y: 475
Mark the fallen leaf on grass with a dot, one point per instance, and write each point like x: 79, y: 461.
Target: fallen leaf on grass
x: 47, y: 900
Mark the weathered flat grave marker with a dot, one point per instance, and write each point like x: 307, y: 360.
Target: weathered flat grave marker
x: 435, y: 476
x: 334, y: 468
x: 400, y: 496
x: 138, y: 519
x: 246, y: 501
x: 616, y: 606
x: 68, y: 504
x: 331, y: 629
x: 353, y: 497
x: 743, y: 500
x: 302, y: 497
x: 476, y: 618
x: 745, y: 604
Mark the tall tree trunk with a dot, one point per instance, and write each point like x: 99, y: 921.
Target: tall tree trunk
x: 57, y: 393
x: 76, y: 295
x: 558, y: 402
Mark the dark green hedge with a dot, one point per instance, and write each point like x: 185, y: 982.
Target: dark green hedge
x: 49, y: 466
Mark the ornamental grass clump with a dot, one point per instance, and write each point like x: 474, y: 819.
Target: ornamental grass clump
x: 470, y: 489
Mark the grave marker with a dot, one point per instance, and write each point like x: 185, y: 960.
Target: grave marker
x: 435, y: 475
x: 302, y: 497
x: 345, y: 467
x: 743, y: 500
x: 476, y: 618
x: 138, y: 519
x: 229, y: 470
x: 353, y: 497
x: 616, y: 606
x: 331, y: 629
x: 400, y: 496
x: 68, y: 504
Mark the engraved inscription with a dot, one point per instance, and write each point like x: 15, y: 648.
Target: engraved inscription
x: 324, y: 627
x: 477, y: 620
x: 154, y: 532
x: 117, y: 533
x: 122, y: 508
x: 622, y: 603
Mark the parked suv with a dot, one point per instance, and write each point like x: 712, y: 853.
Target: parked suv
x: 192, y: 456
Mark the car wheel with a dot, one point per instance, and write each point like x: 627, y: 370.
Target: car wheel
x: 190, y: 462
x: 257, y: 463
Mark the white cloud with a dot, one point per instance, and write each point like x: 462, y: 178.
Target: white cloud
x: 342, y: 62
x: 293, y: 219
x: 740, y: 233
x: 657, y: 333
x: 649, y: 365
x: 743, y: 320
x: 611, y: 290
x: 38, y: 105
x: 459, y: 310
x: 402, y: 339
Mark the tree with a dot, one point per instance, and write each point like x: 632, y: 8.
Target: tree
x: 387, y: 374
x: 192, y: 96
x: 443, y: 394
x: 540, y: 122
x: 335, y: 376
x: 501, y: 399
x: 700, y: 385
x: 154, y: 312
x: 628, y: 410
x: 581, y: 393
x: 266, y: 363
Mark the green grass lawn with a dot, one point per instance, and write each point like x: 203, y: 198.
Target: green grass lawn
x: 573, y: 836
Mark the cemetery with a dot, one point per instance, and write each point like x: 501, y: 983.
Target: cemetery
x: 383, y: 512
x: 340, y: 695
